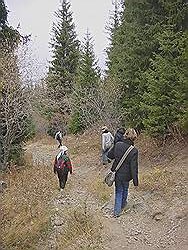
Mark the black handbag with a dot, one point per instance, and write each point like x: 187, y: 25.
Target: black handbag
x: 110, y: 177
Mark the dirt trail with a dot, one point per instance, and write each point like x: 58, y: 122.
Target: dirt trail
x: 150, y: 221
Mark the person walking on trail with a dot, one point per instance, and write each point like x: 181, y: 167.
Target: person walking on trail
x: 62, y: 166
x: 119, y: 135
x: 107, y: 142
x: 59, y: 138
x: 128, y: 170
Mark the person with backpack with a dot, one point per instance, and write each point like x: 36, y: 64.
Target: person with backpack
x: 127, y: 171
x: 62, y: 166
x: 107, y: 143
x: 59, y: 138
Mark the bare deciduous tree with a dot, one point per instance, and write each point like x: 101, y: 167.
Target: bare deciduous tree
x: 98, y: 105
x: 14, y: 108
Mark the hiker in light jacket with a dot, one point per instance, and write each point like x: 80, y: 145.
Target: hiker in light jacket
x: 62, y: 166
x: 107, y: 142
x: 128, y: 170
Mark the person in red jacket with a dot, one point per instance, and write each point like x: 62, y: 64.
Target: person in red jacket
x: 62, y: 166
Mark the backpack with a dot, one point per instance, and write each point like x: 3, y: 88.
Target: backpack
x: 60, y: 162
x: 109, y: 143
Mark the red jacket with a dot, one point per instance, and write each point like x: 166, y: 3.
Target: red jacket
x: 63, y: 163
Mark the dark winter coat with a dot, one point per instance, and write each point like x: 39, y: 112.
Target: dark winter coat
x: 129, y: 169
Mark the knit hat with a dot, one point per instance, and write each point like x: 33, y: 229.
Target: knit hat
x: 63, y: 148
x: 121, y: 130
x: 104, y: 128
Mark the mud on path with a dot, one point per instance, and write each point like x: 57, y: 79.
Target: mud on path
x: 151, y: 220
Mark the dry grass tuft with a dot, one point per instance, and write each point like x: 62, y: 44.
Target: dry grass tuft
x: 43, y: 139
x: 99, y: 189
x: 26, y: 206
x: 81, y: 230
x: 154, y: 180
x: 158, y: 179
x: 28, y: 159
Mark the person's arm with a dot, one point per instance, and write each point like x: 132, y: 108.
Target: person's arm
x: 55, y: 166
x: 69, y: 164
x: 61, y: 135
x: 103, y: 142
x: 114, y: 165
x: 112, y: 138
x: 110, y: 154
x: 134, y: 168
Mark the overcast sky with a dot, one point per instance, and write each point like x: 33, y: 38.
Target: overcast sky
x: 36, y: 17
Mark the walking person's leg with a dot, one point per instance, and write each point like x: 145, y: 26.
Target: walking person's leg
x: 118, y: 198
x: 59, y: 174
x: 64, y: 179
x: 125, y: 194
x: 108, y: 160
x: 104, y: 158
x: 60, y: 143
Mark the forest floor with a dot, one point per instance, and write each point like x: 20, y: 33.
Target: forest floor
x: 80, y: 215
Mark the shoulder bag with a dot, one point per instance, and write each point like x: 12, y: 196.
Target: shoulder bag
x: 110, y: 177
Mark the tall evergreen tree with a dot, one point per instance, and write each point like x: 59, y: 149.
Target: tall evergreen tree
x: 112, y: 28
x: 130, y: 55
x: 9, y: 37
x: 86, y: 87
x: 88, y: 70
x: 65, y: 49
x: 167, y: 76
x: 149, y: 42
x: 3, y: 14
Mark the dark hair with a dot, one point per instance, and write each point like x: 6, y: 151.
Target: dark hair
x: 121, y: 130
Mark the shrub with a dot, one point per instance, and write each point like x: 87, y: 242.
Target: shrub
x: 75, y: 125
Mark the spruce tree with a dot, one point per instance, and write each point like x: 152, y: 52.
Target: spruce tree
x: 131, y: 53
x: 86, y: 87
x: 65, y: 50
x: 148, y: 61
x: 112, y: 29
x: 88, y: 70
x: 9, y: 37
x: 129, y: 56
x: 167, y: 77
x: 3, y: 14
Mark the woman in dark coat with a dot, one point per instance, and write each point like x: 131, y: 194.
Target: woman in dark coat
x: 128, y: 170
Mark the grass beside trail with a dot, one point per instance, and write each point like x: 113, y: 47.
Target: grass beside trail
x: 26, y: 206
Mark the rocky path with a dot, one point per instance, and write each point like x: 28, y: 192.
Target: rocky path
x: 148, y: 222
